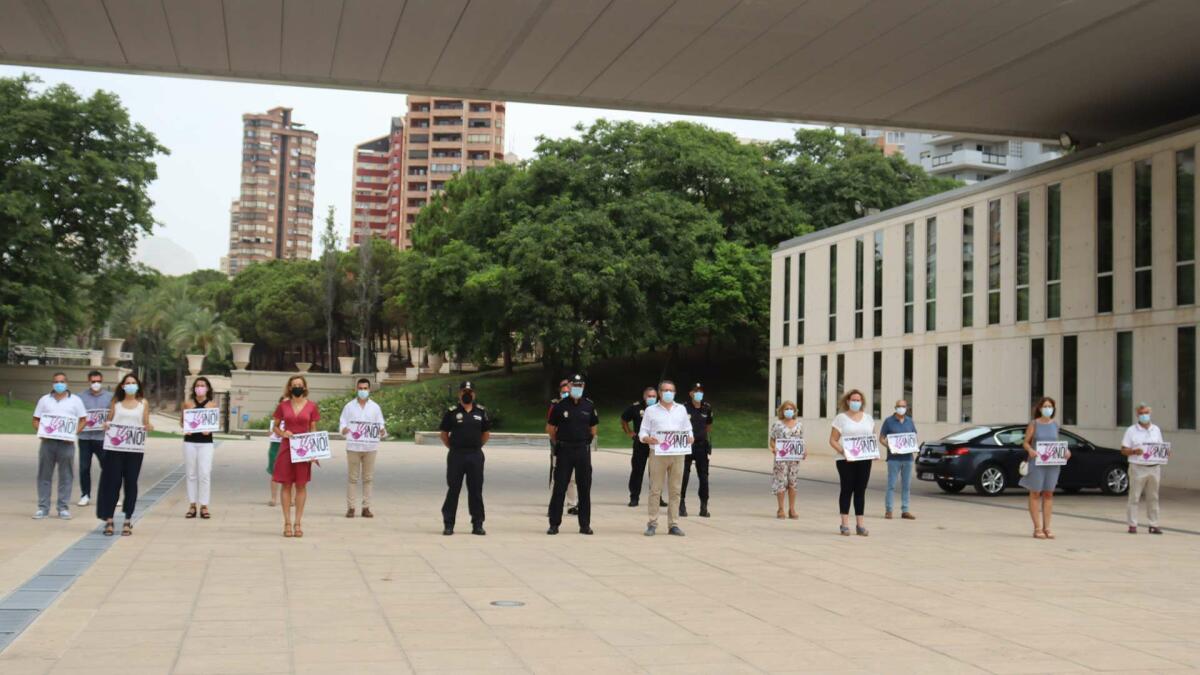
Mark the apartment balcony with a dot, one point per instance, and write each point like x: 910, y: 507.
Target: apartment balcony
x: 958, y: 160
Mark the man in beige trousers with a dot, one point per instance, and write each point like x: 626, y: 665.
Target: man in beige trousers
x: 667, y: 429
x: 363, y: 427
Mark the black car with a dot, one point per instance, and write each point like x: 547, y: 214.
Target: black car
x: 988, y: 457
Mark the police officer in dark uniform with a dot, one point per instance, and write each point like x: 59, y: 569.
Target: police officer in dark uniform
x: 573, y: 423
x: 631, y: 424
x: 702, y: 419
x: 465, y: 430
x: 564, y: 390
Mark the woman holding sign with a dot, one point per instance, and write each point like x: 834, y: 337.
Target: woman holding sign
x: 1042, y: 475
x: 198, y: 446
x: 122, y: 461
x: 853, y: 439
x: 299, y: 415
x: 787, y: 449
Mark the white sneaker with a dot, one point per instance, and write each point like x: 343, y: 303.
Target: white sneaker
x: 41, y: 513
x: 85, y: 500
x: 64, y: 514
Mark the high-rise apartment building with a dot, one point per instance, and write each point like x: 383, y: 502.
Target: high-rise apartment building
x: 273, y: 216
x: 969, y: 158
x: 437, y: 139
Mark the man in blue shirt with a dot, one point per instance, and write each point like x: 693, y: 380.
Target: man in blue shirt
x: 899, y: 464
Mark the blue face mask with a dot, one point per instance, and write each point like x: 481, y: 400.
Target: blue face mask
x: 576, y: 392
x: 855, y: 406
x: 1144, y: 418
x: 564, y: 394
x: 1047, y: 412
x: 130, y: 389
x: 698, y: 396
x: 60, y: 387
x: 651, y: 400
x: 364, y: 394
x: 668, y: 397
x: 789, y: 413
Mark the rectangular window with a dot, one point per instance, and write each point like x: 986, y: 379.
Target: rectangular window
x: 968, y: 383
x: 1023, y: 256
x: 800, y: 300
x: 800, y: 386
x: 968, y: 267
x: 1124, y: 378
x: 841, y: 376
x: 833, y: 293
x: 930, y: 274
x: 908, y: 376
x: 1070, y: 387
x: 1186, y: 363
x: 824, y: 393
x: 858, y: 288
x: 993, y: 262
x: 908, y: 278
x: 1185, y: 227
x: 787, y: 300
x: 877, y: 323
x: 1037, y: 370
x: 778, y: 382
x: 1054, y: 252
x: 876, y: 383
x: 1104, y: 242
x: 943, y: 384
x: 1142, y: 235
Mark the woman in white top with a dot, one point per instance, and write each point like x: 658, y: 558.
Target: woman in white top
x: 854, y: 475
x: 119, y: 467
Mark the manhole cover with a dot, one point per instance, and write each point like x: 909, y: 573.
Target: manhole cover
x: 508, y: 603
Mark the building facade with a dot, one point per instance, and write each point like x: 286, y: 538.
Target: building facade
x: 437, y: 139
x: 965, y: 157
x: 1073, y: 279
x: 273, y: 216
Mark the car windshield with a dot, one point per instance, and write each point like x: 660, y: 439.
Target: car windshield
x: 965, y: 435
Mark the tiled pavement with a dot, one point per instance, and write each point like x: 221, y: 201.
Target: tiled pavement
x: 962, y: 589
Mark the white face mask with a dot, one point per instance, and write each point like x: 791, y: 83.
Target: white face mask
x: 97, y: 386
x: 901, y: 410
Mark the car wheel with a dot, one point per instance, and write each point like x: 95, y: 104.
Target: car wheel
x: 950, y: 487
x: 991, y: 480
x: 1116, y: 480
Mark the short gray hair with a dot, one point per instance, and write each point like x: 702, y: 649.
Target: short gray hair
x: 1143, y: 404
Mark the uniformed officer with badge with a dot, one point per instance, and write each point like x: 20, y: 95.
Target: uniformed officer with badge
x: 701, y: 415
x: 564, y: 390
x: 631, y: 424
x: 465, y: 430
x: 573, y: 423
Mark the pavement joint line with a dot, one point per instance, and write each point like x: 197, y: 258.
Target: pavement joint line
x: 17, y: 613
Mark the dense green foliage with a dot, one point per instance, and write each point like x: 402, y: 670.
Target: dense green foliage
x: 406, y: 409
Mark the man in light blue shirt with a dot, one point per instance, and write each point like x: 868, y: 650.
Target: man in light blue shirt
x: 899, y: 464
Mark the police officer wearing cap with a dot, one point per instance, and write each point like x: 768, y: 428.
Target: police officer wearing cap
x: 564, y: 390
x: 465, y: 430
x: 631, y: 424
x: 573, y: 423
x: 701, y: 415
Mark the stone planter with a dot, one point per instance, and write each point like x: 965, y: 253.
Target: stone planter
x: 241, y: 354
x: 96, y: 358
x: 417, y: 355
x: 345, y: 364
x: 303, y: 366
x: 435, y: 362
x: 111, y: 348
x: 381, y: 361
x: 195, y: 363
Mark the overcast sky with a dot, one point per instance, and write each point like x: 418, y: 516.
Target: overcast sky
x: 201, y: 122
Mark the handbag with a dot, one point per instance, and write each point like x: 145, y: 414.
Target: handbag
x: 1023, y: 469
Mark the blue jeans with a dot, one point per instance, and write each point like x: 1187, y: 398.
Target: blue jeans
x: 904, y: 471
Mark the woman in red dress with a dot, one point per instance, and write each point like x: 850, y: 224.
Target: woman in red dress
x: 299, y: 415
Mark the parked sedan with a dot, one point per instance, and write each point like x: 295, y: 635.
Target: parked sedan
x: 988, y: 457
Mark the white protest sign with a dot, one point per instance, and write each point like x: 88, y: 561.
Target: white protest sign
x: 902, y: 444
x: 96, y: 417
x: 314, y: 445
x: 1051, y: 453
x: 125, y: 438
x: 790, y: 450
x: 364, y: 436
x: 860, y: 448
x: 58, y: 427
x: 672, y: 443
x: 1152, y: 454
x: 201, y: 420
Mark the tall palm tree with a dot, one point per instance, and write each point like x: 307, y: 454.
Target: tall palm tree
x: 199, y: 331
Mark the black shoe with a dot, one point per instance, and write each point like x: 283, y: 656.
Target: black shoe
x: 682, y: 510
x: 448, y: 531
x: 675, y: 531
x: 553, y: 530
x: 573, y: 511
x: 704, y: 511
x: 585, y: 530
x: 661, y: 503
x: 633, y: 502
x: 478, y: 529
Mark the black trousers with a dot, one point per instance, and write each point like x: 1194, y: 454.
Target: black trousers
x: 854, y: 477
x: 87, y: 448
x: 117, y: 470
x: 637, y: 468
x: 464, y: 464
x: 572, y: 457
x: 699, y: 456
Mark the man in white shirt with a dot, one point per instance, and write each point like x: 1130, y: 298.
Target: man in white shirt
x: 1143, y: 478
x: 64, y: 415
x: 361, y: 451
x: 663, y: 423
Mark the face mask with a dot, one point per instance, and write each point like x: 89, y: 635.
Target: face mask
x: 901, y: 411
x: 129, y: 389
x: 297, y: 391
x: 789, y: 413
x: 855, y: 406
x: 668, y: 397
x: 698, y: 396
x: 364, y: 393
x: 576, y: 392
x: 59, y: 387
x: 96, y: 386
x: 1047, y: 412
x: 564, y: 393
x: 1144, y: 418
x: 467, y: 397
x: 201, y: 391
x: 651, y: 400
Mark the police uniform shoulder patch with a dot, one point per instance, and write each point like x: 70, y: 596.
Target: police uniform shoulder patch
x: 566, y: 413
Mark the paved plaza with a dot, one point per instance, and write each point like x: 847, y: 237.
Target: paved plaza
x: 962, y: 589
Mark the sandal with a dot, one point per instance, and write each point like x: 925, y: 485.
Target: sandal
x: 1038, y: 534
x: 287, y: 529
x: 779, y: 514
x: 108, y: 529
x: 844, y: 530
x: 1049, y: 534
x: 191, y: 513
x: 127, y: 529
x: 793, y: 515
x: 861, y: 531
x: 297, y: 532
x: 204, y: 513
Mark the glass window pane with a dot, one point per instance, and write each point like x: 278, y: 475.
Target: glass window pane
x: 1124, y: 378
x: 1104, y: 225
x: 1054, y: 233
x: 1186, y: 395
x: 1104, y: 299
x: 994, y: 244
x: 1070, y: 350
x: 943, y: 376
x: 1185, y: 205
x: 1037, y: 351
x: 823, y: 394
x: 1185, y: 284
x: 1023, y: 239
x: 1142, y: 205
x: 908, y: 376
x: 1141, y: 288
x: 968, y: 311
x: 800, y: 299
x: 877, y: 384
x: 1023, y: 304
x: 1054, y: 301
x: 993, y: 307
x: 968, y: 372
x: 800, y: 386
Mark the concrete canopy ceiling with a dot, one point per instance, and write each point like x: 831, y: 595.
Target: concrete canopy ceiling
x: 1098, y: 69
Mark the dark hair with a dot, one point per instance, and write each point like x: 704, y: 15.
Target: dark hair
x: 287, y: 388
x: 57, y: 374
x: 119, y: 394
x: 207, y: 384
x: 362, y: 380
x: 649, y: 388
x: 95, y: 373
x: 1037, y: 409
x: 665, y: 383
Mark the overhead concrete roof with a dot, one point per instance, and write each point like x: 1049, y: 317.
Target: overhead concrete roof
x: 1098, y: 69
